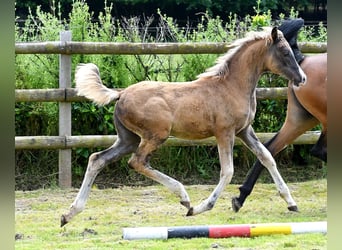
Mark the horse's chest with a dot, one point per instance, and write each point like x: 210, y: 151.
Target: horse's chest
x: 246, y: 114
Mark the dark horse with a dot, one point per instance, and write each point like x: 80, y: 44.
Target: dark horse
x: 220, y: 103
x: 307, y: 107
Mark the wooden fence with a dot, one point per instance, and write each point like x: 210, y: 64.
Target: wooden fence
x: 65, y: 142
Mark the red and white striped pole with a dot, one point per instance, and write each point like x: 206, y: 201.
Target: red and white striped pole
x: 224, y: 231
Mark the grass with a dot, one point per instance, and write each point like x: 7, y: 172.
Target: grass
x: 99, y: 226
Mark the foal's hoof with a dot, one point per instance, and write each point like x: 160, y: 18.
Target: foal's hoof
x: 236, y: 205
x: 190, y: 212
x: 293, y: 208
x: 185, y: 204
x: 63, y: 220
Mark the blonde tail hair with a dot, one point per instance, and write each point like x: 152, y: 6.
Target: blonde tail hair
x: 89, y: 84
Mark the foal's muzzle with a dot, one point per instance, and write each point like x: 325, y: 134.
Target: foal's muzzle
x: 301, y: 80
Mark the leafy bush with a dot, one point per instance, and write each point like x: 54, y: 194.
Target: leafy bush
x: 41, y: 71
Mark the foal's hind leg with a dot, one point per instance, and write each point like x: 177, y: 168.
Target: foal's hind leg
x: 265, y: 157
x: 140, y: 163
x: 126, y: 143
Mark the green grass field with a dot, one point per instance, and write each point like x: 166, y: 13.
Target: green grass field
x: 99, y: 226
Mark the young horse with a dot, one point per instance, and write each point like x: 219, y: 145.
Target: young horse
x: 220, y: 103
x: 306, y: 107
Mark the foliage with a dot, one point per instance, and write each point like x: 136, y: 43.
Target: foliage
x: 261, y: 20
x: 180, y: 10
x: 41, y: 71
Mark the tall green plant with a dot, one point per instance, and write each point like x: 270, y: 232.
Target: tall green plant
x: 261, y: 20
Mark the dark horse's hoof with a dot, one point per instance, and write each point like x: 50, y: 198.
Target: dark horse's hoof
x: 236, y: 205
x: 293, y: 208
x: 63, y: 220
x: 190, y: 212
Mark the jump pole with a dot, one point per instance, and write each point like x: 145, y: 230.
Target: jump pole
x: 223, y: 231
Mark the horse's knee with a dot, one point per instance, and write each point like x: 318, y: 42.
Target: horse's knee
x: 268, y: 161
x: 95, y: 163
x: 93, y: 157
x: 137, y: 163
x: 227, y: 174
x: 132, y: 162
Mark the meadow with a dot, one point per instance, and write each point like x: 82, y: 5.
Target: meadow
x: 108, y: 211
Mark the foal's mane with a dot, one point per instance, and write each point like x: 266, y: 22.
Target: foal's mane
x: 221, y: 68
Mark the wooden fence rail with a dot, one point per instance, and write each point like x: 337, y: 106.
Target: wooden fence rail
x: 125, y: 48
x: 93, y: 141
x: 70, y: 95
x: 65, y: 142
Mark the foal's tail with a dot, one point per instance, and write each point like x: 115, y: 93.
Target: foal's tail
x: 89, y: 84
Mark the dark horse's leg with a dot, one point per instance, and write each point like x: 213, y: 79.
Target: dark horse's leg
x: 297, y: 121
x: 319, y: 150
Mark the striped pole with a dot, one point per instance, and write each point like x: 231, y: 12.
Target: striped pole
x: 224, y: 231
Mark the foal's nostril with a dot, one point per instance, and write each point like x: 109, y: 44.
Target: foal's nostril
x: 303, y: 76
x: 303, y: 79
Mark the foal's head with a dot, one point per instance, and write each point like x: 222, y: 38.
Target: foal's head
x: 280, y: 59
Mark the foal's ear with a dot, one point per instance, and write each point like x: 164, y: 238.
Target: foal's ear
x: 274, y: 34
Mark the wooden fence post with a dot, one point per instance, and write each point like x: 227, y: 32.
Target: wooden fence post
x: 64, y: 160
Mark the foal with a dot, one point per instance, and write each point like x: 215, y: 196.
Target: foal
x: 220, y: 103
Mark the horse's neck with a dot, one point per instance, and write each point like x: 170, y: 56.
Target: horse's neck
x: 249, y: 64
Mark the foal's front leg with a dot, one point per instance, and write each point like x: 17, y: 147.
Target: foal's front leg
x: 265, y: 157
x: 225, y: 148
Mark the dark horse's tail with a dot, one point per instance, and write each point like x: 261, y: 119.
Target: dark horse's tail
x: 89, y: 84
